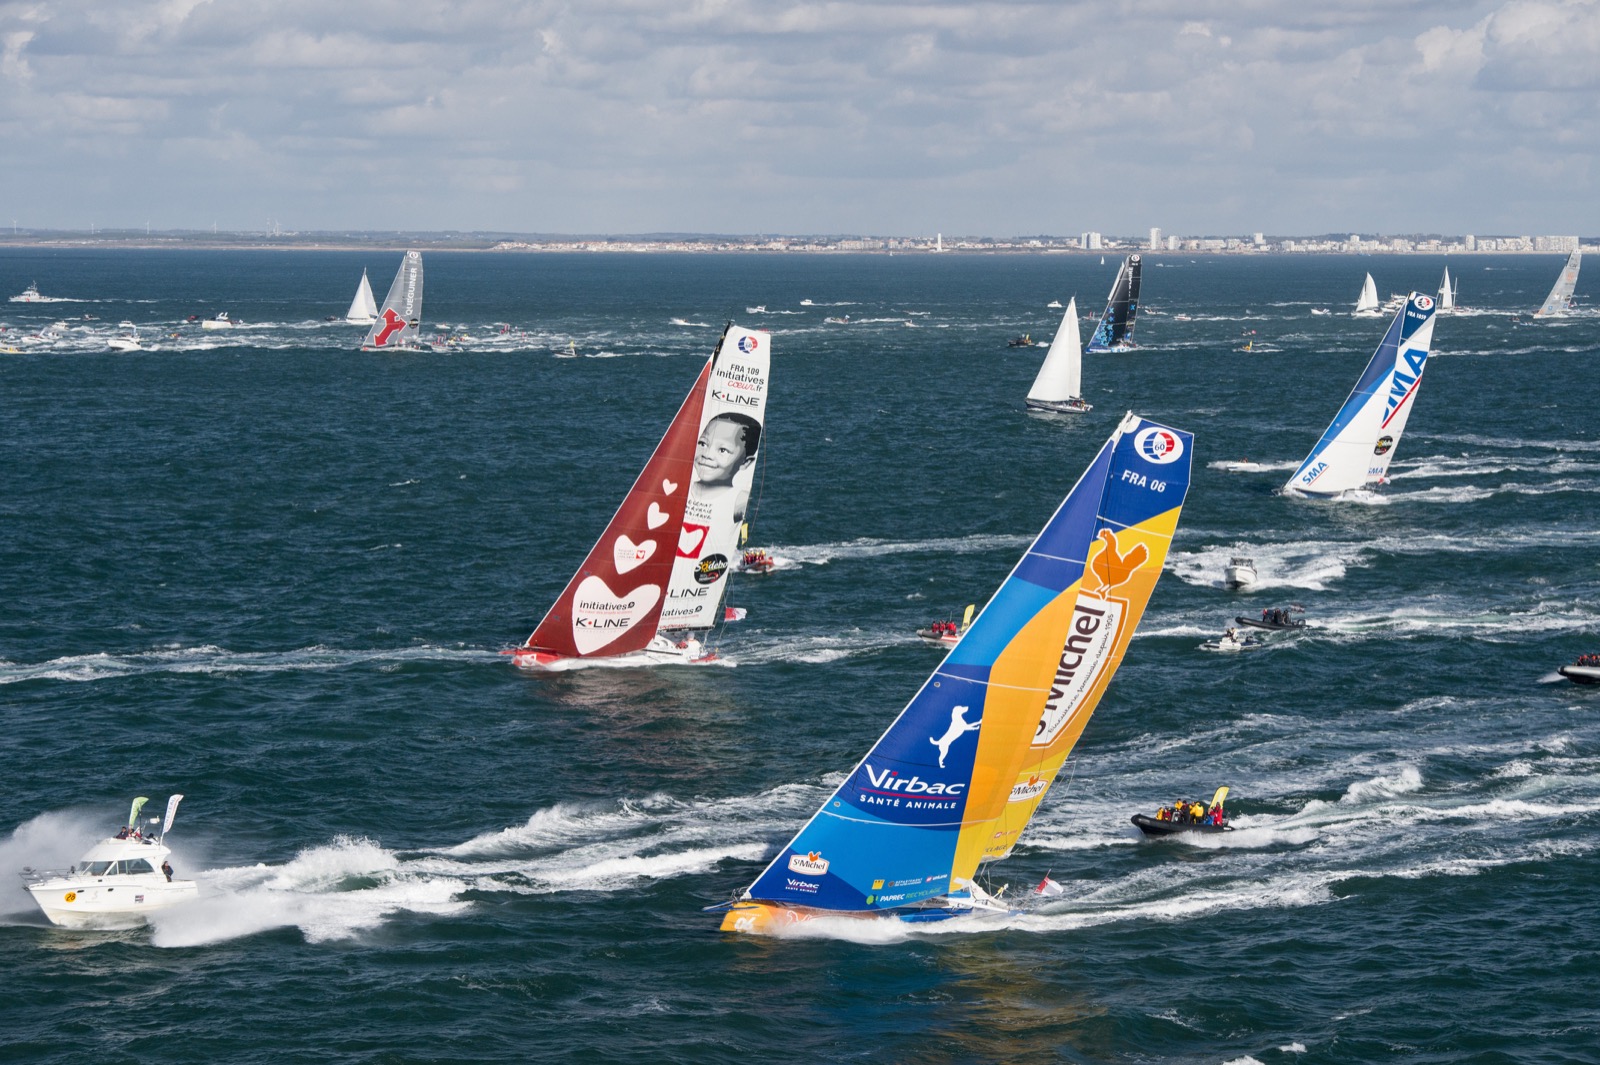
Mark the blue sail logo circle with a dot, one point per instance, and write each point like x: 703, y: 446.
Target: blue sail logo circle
x: 747, y: 344
x: 1158, y: 445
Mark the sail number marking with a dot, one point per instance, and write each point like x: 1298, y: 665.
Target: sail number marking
x: 1139, y: 480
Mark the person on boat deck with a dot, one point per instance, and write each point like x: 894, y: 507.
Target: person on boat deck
x: 1197, y: 813
x: 124, y: 833
x: 166, y: 868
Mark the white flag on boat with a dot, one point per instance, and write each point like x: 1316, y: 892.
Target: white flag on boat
x: 734, y: 613
x: 172, y: 811
x: 1049, y: 888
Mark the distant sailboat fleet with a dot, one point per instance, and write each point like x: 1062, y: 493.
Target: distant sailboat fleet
x: 955, y: 780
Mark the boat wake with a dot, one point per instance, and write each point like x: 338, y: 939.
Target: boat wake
x: 1304, y: 565
x: 330, y: 892
x: 1389, y: 825
x: 868, y: 547
x: 217, y: 660
x: 821, y: 649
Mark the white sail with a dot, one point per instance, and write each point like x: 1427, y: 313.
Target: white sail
x: 1368, y: 303
x: 1358, y: 446
x: 1447, y: 295
x: 726, y: 453
x: 399, y: 322
x: 1060, y: 379
x: 363, y: 309
x: 1560, y: 297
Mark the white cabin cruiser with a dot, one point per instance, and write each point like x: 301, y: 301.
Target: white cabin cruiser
x: 221, y: 321
x: 1240, y: 572
x: 117, y: 882
x: 127, y: 340
x: 29, y: 294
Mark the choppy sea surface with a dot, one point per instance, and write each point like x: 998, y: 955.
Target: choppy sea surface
x: 274, y: 573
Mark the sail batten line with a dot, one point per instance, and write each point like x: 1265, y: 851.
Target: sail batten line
x: 987, y: 684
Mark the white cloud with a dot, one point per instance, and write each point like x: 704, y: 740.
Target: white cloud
x: 1008, y: 116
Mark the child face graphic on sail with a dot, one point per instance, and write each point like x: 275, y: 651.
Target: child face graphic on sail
x: 727, y: 445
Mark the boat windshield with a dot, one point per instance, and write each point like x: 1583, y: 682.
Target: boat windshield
x: 123, y: 868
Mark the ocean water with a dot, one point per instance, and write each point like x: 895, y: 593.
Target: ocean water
x: 275, y: 573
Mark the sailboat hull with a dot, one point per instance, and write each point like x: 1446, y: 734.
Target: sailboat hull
x: 659, y: 652
x: 1151, y: 826
x: 754, y: 917
x: 1581, y: 674
x: 1062, y: 406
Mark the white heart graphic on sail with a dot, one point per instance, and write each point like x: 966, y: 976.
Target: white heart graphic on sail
x: 690, y: 537
x: 599, y: 616
x: 657, y: 517
x: 668, y: 487
x: 629, y: 555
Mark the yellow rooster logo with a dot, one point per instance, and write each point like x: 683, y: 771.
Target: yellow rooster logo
x: 1110, y: 566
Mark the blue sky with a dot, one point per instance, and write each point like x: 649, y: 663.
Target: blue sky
x: 626, y: 116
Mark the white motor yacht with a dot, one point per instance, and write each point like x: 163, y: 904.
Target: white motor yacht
x: 118, y: 882
x: 127, y: 340
x: 221, y: 321
x: 1239, y: 573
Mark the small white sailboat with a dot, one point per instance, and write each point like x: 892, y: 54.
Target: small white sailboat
x: 1560, y: 299
x: 398, y: 324
x: 1239, y: 573
x: 363, y: 309
x: 1357, y: 448
x: 221, y: 321
x: 1367, y: 302
x: 119, y: 882
x: 1447, y: 293
x: 1059, y: 384
x: 655, y: 579
x: 957, y: 777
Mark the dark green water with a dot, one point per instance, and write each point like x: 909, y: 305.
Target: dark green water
x: 274, y: 573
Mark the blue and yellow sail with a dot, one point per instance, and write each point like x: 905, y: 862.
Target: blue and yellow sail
x: 957, y: 776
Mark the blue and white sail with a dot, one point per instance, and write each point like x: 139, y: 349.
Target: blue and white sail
x: 1357, y: 448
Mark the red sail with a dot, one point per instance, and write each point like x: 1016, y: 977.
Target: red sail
x: 613, y: 603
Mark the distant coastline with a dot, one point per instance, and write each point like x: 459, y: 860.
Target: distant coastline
x: 1086, y: 244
